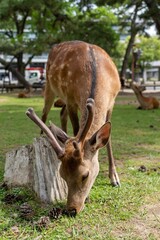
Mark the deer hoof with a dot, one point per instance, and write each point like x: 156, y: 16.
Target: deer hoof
x: 115, y: 184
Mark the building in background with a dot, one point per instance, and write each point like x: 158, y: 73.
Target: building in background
x: 152, y: 73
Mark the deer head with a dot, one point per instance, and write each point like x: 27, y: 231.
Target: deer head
x: 137, y: 88
x: 78, y: 156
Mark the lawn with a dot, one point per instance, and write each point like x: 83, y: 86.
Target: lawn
x: 131, y: 212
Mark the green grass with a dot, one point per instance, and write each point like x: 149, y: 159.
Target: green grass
x: 136, y: 142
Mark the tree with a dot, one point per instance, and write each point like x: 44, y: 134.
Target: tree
x: 16, y: 73
x: 27, y: 26
x: 154, y: 12
x: 134, y: 29
x: 33, y: 27
x: 94, y: 25
x: 150, y: 48
x: 134, y: 17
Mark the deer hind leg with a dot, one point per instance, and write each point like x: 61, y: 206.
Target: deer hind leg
x: 63, y: 113
x: 73, y: 115
x: 64, y: 118
x: 113, y: 175
x: 48, y: 102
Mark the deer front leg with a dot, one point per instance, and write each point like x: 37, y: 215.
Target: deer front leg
x: 48, y: 102
x: 113, y: 175
x: 112, y: 168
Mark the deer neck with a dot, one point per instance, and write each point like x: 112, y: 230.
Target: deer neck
x: 140, y: 97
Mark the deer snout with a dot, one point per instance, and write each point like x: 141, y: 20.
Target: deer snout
x: 74, y: 209
x: 71, y: 212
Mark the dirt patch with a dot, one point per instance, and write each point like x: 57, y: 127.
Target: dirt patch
x: 149, y: 224
x: 145, y: 225
x: 127, y: 102
x: 3, y: 100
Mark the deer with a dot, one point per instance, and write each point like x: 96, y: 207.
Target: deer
x: 146, y: 103
x: 84, y: 76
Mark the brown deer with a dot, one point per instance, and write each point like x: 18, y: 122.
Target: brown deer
x: 84, y: 76
x: 146, y: 103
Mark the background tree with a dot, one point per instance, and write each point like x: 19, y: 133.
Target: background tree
x: 150, y: 48
x: 134, y: 16
x: 27, y: 26
x: 154, y: 12
x: 94, y: 25
x: 141, y: 21
x: 137, y: 25
x: 33, y: 27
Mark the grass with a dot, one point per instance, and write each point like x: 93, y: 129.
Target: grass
x: 112, y: 212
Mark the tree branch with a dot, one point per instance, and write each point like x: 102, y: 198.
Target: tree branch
x: 17, y: 74
x: 9, y: 33
x: 154, y: 11
x: 29, y: 60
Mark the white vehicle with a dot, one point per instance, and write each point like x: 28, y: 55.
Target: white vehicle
x: 34, y: 75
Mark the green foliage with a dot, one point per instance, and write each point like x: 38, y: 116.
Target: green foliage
x: 51, y: 22
x: 120, y: 51
x: 150, y: 51
x: 112, y: 212
x: 150, y: 47
x: 28, y: 25
x: 95, y: 26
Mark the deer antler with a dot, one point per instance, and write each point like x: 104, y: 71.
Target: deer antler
x: 32, y: 115
x: 90, y: 111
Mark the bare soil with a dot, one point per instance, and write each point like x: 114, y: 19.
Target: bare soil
x: 144, y: 226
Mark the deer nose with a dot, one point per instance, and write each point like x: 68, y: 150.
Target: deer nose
x: 71, y: 212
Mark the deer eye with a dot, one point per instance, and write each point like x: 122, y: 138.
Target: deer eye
x: 85, y: 176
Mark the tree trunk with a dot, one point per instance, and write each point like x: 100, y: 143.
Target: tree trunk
x: 36, y: 166
x: 133, y: 31
x: 17, y: 74
x: 20, y: 64
x: 126, y: 58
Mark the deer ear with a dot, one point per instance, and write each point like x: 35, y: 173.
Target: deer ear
x: 101, y: 137
x: 59, y: 133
